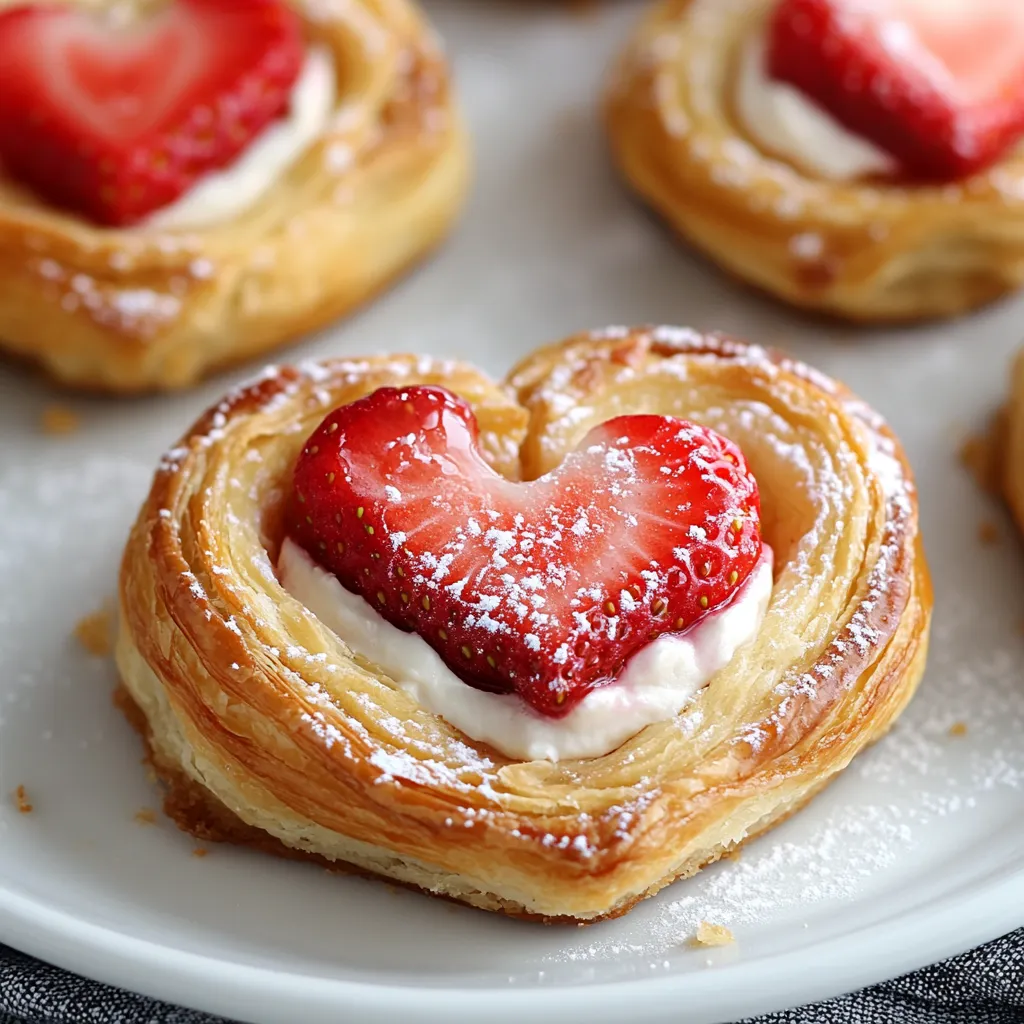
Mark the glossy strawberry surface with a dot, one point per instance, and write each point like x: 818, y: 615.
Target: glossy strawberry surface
x: 542, y: 588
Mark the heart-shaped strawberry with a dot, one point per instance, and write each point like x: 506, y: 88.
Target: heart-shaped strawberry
x: 939, y: 84
x: 542, y: 588
x: 116, y: 121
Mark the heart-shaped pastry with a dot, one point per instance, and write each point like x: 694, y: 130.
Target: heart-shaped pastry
x: 117, y: 121
x: 543, y: 588
x: 276, y: 725
x: 937, y: 83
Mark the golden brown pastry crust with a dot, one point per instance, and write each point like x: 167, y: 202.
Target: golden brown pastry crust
x: 150, y: 308
x: 862, y: 250
x: 253, y: 708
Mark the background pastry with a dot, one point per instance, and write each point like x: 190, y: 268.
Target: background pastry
x: 273, y: 729
x: 301, y: 156
x: 862, y: 160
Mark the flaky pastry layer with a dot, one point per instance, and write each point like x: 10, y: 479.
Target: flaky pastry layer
x: 864, y: 250
x: 250, y: 700
x: 148, y: 308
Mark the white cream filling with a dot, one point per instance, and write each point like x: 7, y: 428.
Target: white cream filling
x: 789, y: 125
x: 655, y: 685
x: 224, y: 194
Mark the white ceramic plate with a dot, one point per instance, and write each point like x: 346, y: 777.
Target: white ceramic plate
x: 916, y: 853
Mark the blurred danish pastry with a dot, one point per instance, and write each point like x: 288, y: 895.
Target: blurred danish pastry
x: 265, y: 166
x: 790, y: 142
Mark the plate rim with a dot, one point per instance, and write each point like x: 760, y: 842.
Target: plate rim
x: 979, y: 912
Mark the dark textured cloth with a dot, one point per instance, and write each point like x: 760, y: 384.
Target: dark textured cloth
x: 985, y: 986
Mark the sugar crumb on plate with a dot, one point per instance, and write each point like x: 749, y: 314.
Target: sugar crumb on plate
x: 94, y: 632
x: 22, y: 802
x: 958, y: 729
x: 200, y: 851
x: 709, y: 934
x: 145, y: 816
x: 59, y: 420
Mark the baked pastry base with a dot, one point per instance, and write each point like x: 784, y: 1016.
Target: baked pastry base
x: 195, y: 810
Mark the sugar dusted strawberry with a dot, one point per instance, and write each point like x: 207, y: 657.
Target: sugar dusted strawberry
x: 116, y: 122
x: 939, y: 84
x: 542, y: 588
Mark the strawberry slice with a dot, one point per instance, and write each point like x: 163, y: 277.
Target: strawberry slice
x: 939, y: 84
x: 115, y: 122
x: 542, y: 588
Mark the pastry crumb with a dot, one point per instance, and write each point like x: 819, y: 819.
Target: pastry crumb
x: 94, y: 632
x: 709, y: 934
x: 958, y: 729
x: 145, y: 816
x: 736, y: 853
x: 200, y: 851
x: 22, y: 802
x: 59, y: 420
x: 988, y: 533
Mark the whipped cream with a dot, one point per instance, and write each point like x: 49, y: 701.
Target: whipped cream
x: 790, y: 125
x: 655, y: 684
x: 223, y: 194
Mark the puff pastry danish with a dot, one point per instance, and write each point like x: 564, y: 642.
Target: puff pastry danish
x: 158, y: 305
x: 873, y: 247
x: 269, y: 730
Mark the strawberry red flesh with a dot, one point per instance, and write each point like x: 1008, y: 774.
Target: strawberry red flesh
x: 117, y: 122
x: 543, y: 588
x: 938, y: 84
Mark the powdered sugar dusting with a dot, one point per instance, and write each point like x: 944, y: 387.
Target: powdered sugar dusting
x: 138, y: 312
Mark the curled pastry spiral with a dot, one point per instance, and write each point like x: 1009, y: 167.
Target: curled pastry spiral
x: 153, y: 308
x: 270, y: 731
x: 865, y: 249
